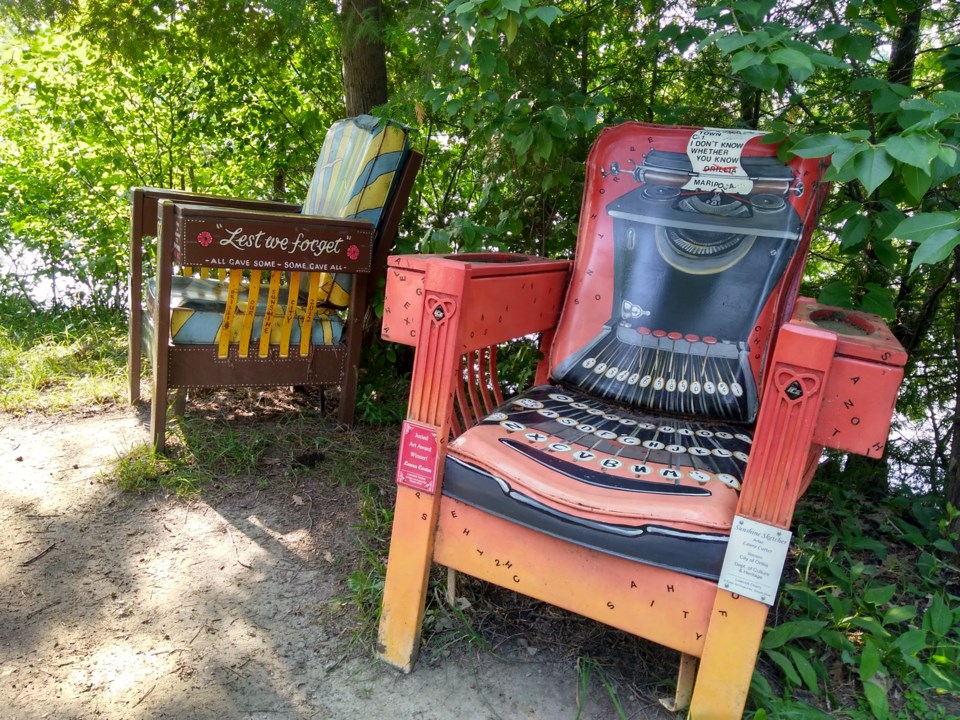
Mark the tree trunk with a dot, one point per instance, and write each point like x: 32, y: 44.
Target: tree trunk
x: 952, y: 483
x: 903, y: 55
x: 364, y: 56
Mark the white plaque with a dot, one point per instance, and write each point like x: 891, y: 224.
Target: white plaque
x: 754, y: 561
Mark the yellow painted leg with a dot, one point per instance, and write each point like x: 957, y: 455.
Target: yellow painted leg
x: 729, y: 656
x: 408, y: 570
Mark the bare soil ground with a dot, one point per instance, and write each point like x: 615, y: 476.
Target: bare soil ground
x: 234, y: 604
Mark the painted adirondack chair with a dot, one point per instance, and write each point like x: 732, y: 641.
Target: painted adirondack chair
x: 649, y: 478
x: 264, y: 294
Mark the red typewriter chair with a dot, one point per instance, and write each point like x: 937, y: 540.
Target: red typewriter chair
x: 649, y: 479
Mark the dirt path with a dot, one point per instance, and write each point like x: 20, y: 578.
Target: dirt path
x: 117, y: 605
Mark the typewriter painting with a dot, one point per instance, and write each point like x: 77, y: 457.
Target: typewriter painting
x: 691, y: 236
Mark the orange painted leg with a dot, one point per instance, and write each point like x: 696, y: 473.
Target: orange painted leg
x: 729, y: 656
x: 408, y: 571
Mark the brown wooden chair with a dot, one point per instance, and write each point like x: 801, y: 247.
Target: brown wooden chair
x: 649, y: 479
x: 252, y: 293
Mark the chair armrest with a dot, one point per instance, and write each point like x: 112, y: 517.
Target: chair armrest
x: 216, y: 236
x: 864, y: 380
x: 145, y: 204
x: 500, y: 296
x: 449, y: 305
x: 833, y: 382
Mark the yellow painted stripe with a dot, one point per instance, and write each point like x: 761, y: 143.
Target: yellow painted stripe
x: 178, y: 318
x: 308, y: 314
x: 253, y: 294
x: 289, y: 315
x: 371, y: 196
x: 233, y: 292
x: 266, y: 329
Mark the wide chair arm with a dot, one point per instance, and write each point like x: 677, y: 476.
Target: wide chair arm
x: 455, y: 309
x: 145, y: 213
x: 832, y: 382
x: 226, y: 237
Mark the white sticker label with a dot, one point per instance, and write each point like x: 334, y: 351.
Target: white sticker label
x: 754, y: 561
x: 715, y: 156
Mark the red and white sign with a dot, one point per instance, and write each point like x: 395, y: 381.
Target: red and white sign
x: 419, y: 457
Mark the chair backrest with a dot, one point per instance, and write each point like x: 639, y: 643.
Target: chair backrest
x: 356, y: 173
x: 690, y: 251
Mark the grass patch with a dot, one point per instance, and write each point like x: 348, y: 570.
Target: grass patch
x: 143, y: 470
x: 56, y: 360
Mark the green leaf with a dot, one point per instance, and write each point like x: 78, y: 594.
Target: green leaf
x: 782, y: 634
x: 922, y: 226
x: 835, y: 293
x: 940, y: 616
x: 805, y: 669
x: 791, y: 58
x: 545, y: 13
x: 866, y: 84
x: 817, y: 146
x: 915, y: 150
x: 854, y: 232
x: 899, y: 614
x: 877, y: 697
x: 728, y: 43
x: 889, y: 257
x: 842, y: 166
x: 872, y: 167
x: 916, y: 181
x: 871, y: 625
x: 764, y: 75
x: 935, y: 248
x: 912, y: 641
x: 784, y: 663
x: 487, y: 64
x: 945, y: 546
x: 832, y: 31
x: 879, y: 595
x: 510, y: 28
x: 744, y: 59
x: 859, y: 47
x: 871, y: 662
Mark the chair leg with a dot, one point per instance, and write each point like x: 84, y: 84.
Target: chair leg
x: 451, y: 587
x: 729, y: 657
x: 685, y: 677
x: 180, y: 402
x: 134, y: 343
x: 158, y: 412
x: 408, y: 571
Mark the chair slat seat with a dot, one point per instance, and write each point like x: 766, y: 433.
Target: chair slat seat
x: 197, y: 307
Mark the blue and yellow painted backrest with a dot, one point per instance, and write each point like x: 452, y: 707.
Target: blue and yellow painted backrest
x: 355, y: 177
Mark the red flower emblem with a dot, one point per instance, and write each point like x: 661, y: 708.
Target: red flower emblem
x: 205, y: 238
x: 353, y: 252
